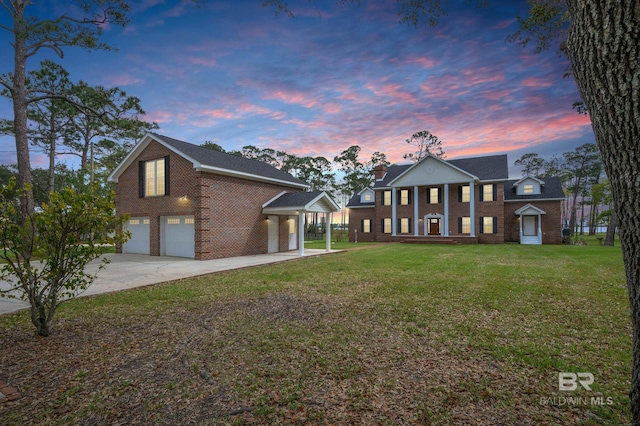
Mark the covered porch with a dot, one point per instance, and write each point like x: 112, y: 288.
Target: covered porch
x: 295, y: 206
x: 530, y: 220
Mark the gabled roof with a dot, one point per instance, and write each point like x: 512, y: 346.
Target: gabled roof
x: 288, y: 202
x: 354, y: 202
x: 531, y: 207
x: 551, y: 190
x: 213, y: 161
x: 518, y: 182
x: 489, y: 167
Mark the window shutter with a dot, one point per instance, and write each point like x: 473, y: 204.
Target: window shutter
x: 382, y: 226
x: 166, y: 175
x: 410, y: 196
x: 140, y: 179
x: 495, y: 225
x: 481, y: 191
x: 398, y: 226
x: 361, y: 225
x: 459, y: 225
x: 439, y: 196
x: 481, y: 223
x: 428, y: 195
x: 410, y: 230
x: 495, y: 192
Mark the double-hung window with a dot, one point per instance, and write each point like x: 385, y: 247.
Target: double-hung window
x: 488, y: 192
x: 465, y: 194
x: 434, y: 196
x: 405, y: 225
x: 386, y: 225
x: 465, y: 225
x: 366, y: 226
x: 153, y: 177
x: 405, y: 197
x: 386, y: 198
x: 488, y: 225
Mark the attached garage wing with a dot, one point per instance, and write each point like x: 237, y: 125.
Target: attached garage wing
x: 177, y: 236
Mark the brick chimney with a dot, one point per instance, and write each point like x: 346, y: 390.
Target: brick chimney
x: 380, y: 171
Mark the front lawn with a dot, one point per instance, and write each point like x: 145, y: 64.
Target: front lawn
x: 391, y: 334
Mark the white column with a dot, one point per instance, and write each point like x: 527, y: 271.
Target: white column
x: 520, y: 229
x: 415, y: 211
x: 540, y: 228
x: 445, y: 224
x: 301, y: 234
x: 393, y: 212
x: 472, y: 208
x: 328, y: 226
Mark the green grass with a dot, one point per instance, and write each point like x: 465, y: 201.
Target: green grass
x: 390, y: 334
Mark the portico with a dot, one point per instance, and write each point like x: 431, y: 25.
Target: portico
x: 427, y: 187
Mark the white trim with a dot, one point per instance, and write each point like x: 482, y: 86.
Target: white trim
x: 475, y: 178
x: 534, y: 199
x: 540, y: 181
x: 302, y: 208
x: 273, y: 199
x: 529, y: 206
x: 361, y: 207
x: 146, y: 140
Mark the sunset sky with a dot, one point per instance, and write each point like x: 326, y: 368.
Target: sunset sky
x: 334, y: 76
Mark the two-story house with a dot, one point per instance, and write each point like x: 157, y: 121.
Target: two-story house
x: 467, y: 200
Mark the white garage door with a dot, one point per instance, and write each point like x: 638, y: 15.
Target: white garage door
x: 139, y: 242
x: 178, y: 236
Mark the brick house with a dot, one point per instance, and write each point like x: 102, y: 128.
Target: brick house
x: 188, y: 201
x: 431, y: 201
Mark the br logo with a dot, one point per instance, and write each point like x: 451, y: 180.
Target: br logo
x: 569, y: 381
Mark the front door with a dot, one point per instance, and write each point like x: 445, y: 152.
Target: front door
x: 274, y: 234
x: 529, y: 226
x: 434, y: 226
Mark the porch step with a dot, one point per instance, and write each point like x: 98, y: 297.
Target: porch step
x: 429, y: 240
x: 529, y: 240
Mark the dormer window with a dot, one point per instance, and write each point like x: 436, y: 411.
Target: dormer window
x: 528, y: 185
x: 366, y: 197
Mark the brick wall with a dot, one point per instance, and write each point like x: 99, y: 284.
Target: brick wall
x: 355, y: 218
x: 228, y: 211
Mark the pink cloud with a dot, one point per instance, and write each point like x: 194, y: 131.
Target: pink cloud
x: 203, y: 61
x: 536, y: 82
x: 503, y: 24
x: 124, y: 80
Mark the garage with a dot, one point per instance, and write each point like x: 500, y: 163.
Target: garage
x: 177, y: 236
x: 139, y: 241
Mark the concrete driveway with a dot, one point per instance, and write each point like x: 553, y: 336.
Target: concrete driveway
x: 136, y: 270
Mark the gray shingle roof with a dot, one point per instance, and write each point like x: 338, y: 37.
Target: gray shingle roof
x: 392, y: 173
x: 293, y: 199
x: 355, y: 202
x: 490, y: 167
x: 552, y: 189
x: 229, y: 162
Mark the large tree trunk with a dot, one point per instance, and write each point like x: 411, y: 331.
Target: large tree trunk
x: 611, y: 229
x: 19, y: 99
x: 603, y: 46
